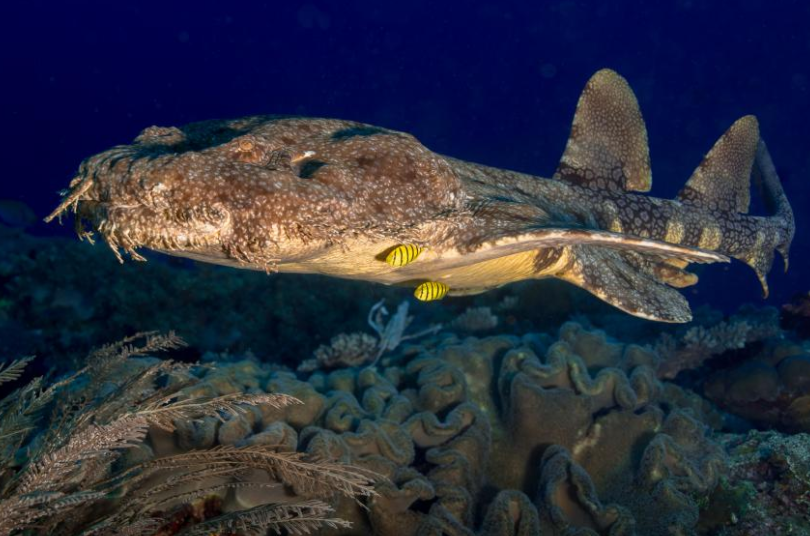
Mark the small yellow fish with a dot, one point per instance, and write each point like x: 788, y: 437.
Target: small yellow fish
x: 404, y: 254
x: 431, y: 290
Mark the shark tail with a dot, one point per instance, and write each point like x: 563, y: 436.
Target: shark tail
x: 639, y: 267
x: 608, y: 150
x: 721, y: 184
x: 775, y: 201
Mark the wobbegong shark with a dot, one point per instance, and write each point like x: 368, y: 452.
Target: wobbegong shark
x: 351, y: 200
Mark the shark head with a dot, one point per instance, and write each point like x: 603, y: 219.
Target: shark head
x: 258, y: 191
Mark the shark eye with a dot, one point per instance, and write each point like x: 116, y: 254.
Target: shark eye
x: 247, y: 149
x: 245, y: 144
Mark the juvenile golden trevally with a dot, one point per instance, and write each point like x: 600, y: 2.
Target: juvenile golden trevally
x: 333, y: 197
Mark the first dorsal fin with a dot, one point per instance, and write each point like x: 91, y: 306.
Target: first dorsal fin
x: 608, y: 147
x: 723, y: 180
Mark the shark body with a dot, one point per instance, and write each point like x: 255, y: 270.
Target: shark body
x: 334, y: 197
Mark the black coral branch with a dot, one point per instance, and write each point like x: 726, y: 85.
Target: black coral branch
x: 163, y: 412
x: 94, y: 442
x: 314, y: 478
x: 14, y: 370
x: 295, y: 518
x: 72, y: 482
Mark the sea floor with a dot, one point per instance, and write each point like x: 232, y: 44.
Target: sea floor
x: 533, y: 409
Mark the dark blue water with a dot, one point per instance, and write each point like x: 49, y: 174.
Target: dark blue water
x: 490, y: 82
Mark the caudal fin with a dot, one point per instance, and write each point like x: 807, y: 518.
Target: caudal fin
x: 776, y: 202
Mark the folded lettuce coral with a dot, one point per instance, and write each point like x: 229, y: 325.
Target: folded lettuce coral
x: 504, y: 435
x: 770, y: 388
x: 573, y: 434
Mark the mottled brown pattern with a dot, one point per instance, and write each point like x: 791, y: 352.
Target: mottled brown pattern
x: 333, y: 197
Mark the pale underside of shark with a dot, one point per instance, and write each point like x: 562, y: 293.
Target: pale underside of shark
x: 334, y: 197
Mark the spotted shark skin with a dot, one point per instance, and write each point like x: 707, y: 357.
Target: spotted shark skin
x: 290, y: 194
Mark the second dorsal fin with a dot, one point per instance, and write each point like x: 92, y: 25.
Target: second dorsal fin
x: 723, y: 180
x: 607, y: 148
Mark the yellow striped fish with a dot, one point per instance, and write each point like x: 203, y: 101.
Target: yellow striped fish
x: 431, y: 290
x: 404, y: 254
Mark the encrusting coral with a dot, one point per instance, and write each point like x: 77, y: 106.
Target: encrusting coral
x: 102, y: 465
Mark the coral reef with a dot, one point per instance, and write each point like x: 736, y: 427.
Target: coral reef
x: 602, y: 425
x: 796, y: 315
x: 766, y: 489
x: 700, y: 343
x: 106, y: 463
x: 475, y: 319
x: 497, y: 435
x: 771, y: 388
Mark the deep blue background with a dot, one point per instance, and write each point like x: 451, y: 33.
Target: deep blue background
x: 493, y: 82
